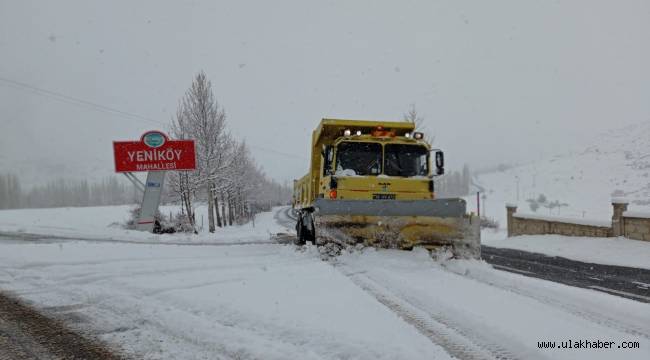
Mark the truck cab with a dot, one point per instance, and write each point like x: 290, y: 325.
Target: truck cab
x: 370, y: 167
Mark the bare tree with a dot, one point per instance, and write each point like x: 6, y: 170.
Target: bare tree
x: 184, y: 183
x: 226, y: 176
x: 414, y: 117
x: 206, y: 122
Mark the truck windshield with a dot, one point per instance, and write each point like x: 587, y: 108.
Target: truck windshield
x: 358, y: 158
x: 406, y: 160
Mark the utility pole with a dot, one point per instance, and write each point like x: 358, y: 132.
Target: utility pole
x: 517, y: 179
x: 484, y: 208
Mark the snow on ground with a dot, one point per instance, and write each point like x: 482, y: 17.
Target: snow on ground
x: 159, y: 300
x: 499, y: 311
x: 271, y: 301
x: 106, y: 223
x: 609, y: 251
x: 187, y: 302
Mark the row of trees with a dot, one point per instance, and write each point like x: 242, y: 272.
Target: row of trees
x: 542, y: 201
x: 64, y: 192
x: 454, y: 183
x: 114, y: 191
x: 227, y: 178
x: 10, y: 192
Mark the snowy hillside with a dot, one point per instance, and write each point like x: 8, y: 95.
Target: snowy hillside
x: 583, y: 182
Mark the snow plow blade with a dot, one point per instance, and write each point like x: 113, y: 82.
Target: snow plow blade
x: 399, y: 224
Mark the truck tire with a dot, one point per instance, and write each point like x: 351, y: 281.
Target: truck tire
x: 310, y: 235
x: 308, y: 228
x: 300, y: 233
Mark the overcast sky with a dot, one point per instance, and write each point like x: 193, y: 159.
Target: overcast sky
x: 497, y: 81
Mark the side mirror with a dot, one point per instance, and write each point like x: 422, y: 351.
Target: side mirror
x: 328, y: 155
x: 440, y: 163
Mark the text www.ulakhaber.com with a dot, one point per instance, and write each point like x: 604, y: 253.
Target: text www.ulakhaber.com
x: 587, y: 344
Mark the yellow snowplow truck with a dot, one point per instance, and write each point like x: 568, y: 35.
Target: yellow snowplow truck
x: 372, y: 182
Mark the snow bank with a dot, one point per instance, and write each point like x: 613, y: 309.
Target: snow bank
x: 565, y: 220
x: 609, y: 251
x: 106, y: 223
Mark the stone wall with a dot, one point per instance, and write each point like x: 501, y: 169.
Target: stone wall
x: 624, y: 223
x: 637, y: 228
x: 531, y: 225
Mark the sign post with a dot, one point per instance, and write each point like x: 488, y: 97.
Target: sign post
x: 155, y: 153
x: 150, y: 200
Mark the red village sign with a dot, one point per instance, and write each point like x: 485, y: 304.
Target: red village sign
x: 154, y: 152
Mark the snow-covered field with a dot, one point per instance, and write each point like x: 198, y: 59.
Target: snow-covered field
x: 107, y: 223
x: 273, y: 301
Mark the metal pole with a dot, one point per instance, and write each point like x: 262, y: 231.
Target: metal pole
x: 151, y: 200
x: 517, y: 177
x: 478, y: 204
x: 484, y: 207
x: 135, y: 181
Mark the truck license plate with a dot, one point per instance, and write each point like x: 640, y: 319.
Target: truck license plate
x: 383, y: 196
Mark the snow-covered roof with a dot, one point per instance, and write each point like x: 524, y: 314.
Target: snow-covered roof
x: 637, y: 214
x: 589, y: 222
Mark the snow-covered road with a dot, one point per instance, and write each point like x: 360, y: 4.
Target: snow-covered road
x: 244, y: 301
x: 273, y: 301
x: 475, y: 311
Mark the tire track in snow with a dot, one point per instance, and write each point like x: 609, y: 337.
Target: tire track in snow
x: 458, y: 341
x: 285, y: 217
x: 578, y: 310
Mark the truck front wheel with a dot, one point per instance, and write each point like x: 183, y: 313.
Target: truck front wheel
x: 300, y: 233
x: 305, y: 230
